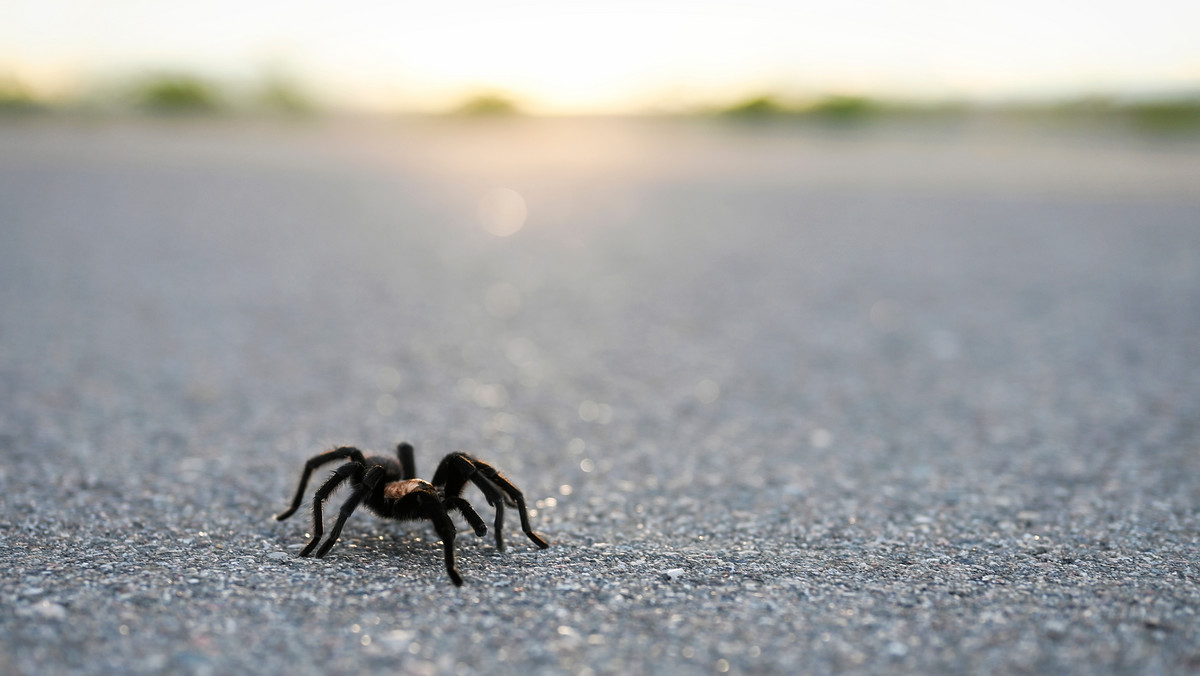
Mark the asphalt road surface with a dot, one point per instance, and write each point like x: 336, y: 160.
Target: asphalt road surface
x: 782, y: 399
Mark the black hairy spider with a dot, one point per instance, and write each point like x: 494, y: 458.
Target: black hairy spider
x: 391, y: 490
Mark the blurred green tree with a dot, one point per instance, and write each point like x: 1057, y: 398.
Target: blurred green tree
x: 757, y: 107
x: 176, y: 93
x: 844, y: 109
x: 16, y: 98
x: 488, y: 105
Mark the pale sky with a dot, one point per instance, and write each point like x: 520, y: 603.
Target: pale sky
x: 613, y: 56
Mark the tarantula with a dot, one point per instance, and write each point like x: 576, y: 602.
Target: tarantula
x: 391, y: 490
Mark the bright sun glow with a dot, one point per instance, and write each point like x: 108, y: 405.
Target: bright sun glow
x: 612, y: 56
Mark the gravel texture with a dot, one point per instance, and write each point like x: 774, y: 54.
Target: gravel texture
x: 783, y: 398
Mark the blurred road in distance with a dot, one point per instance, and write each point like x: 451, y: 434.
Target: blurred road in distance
x: 785, y: 398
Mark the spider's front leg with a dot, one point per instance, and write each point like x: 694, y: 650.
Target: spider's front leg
x: 340, y: 453
x: 512, y: 494
x: 457, y: 469
x: 350, y: 469
x: 369, y: 482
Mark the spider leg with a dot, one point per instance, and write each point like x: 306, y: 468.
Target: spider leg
x: 313, y: 463
x: 452, y: 476
x: 453, y: 472
x: 436, y: 513
x: 369, y: 481
x: 496, y: 500
x: 485, y: 473
x: 468, y: 512
x: 408, y: 466
x: 339, y: 475
x: 457, y: 469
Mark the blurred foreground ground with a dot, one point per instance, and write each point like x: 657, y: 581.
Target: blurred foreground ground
x: 787, y: 399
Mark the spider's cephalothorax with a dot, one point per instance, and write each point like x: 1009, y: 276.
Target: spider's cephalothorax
x: 391, y: 490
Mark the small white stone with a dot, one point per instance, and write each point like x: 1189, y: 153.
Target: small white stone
x: 1055, y: 629
x: 46, y: 609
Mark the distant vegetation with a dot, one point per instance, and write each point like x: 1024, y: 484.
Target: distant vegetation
x: 756, y: 108
x: 831, y: 108
x: 164, y: 93
x: 1163, y: 115
x: 838, y: 109
x: 845, y: 108
x: 15, y: 98
x: 488, y: 105
x: 182, y: 93
x: 175, y: 93
x: 1166, y: 114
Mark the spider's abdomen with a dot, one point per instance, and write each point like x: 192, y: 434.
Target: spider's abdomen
x: 398, y: 489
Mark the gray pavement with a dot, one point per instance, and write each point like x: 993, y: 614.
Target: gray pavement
x: 783, y: 399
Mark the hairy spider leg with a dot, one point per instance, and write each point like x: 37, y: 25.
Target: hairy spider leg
x: 350, y: 469
x: 436, y: 513
x: 465, y: 508
x: 366, y: 486
x: 408, y: 465
x: 494, y: 499
x: 452, y: 476
x: 416, y: 499
x: 489, y: 474
x: 340, y: 453
x: 457, y: 469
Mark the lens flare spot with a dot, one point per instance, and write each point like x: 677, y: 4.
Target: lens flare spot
x: 589, y: 411
x: 502, y: 211
x: 707, y: 391
x: 820, y: 438
x: 388, y: 379
x: 387, y: 404
x: 490, y: 396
